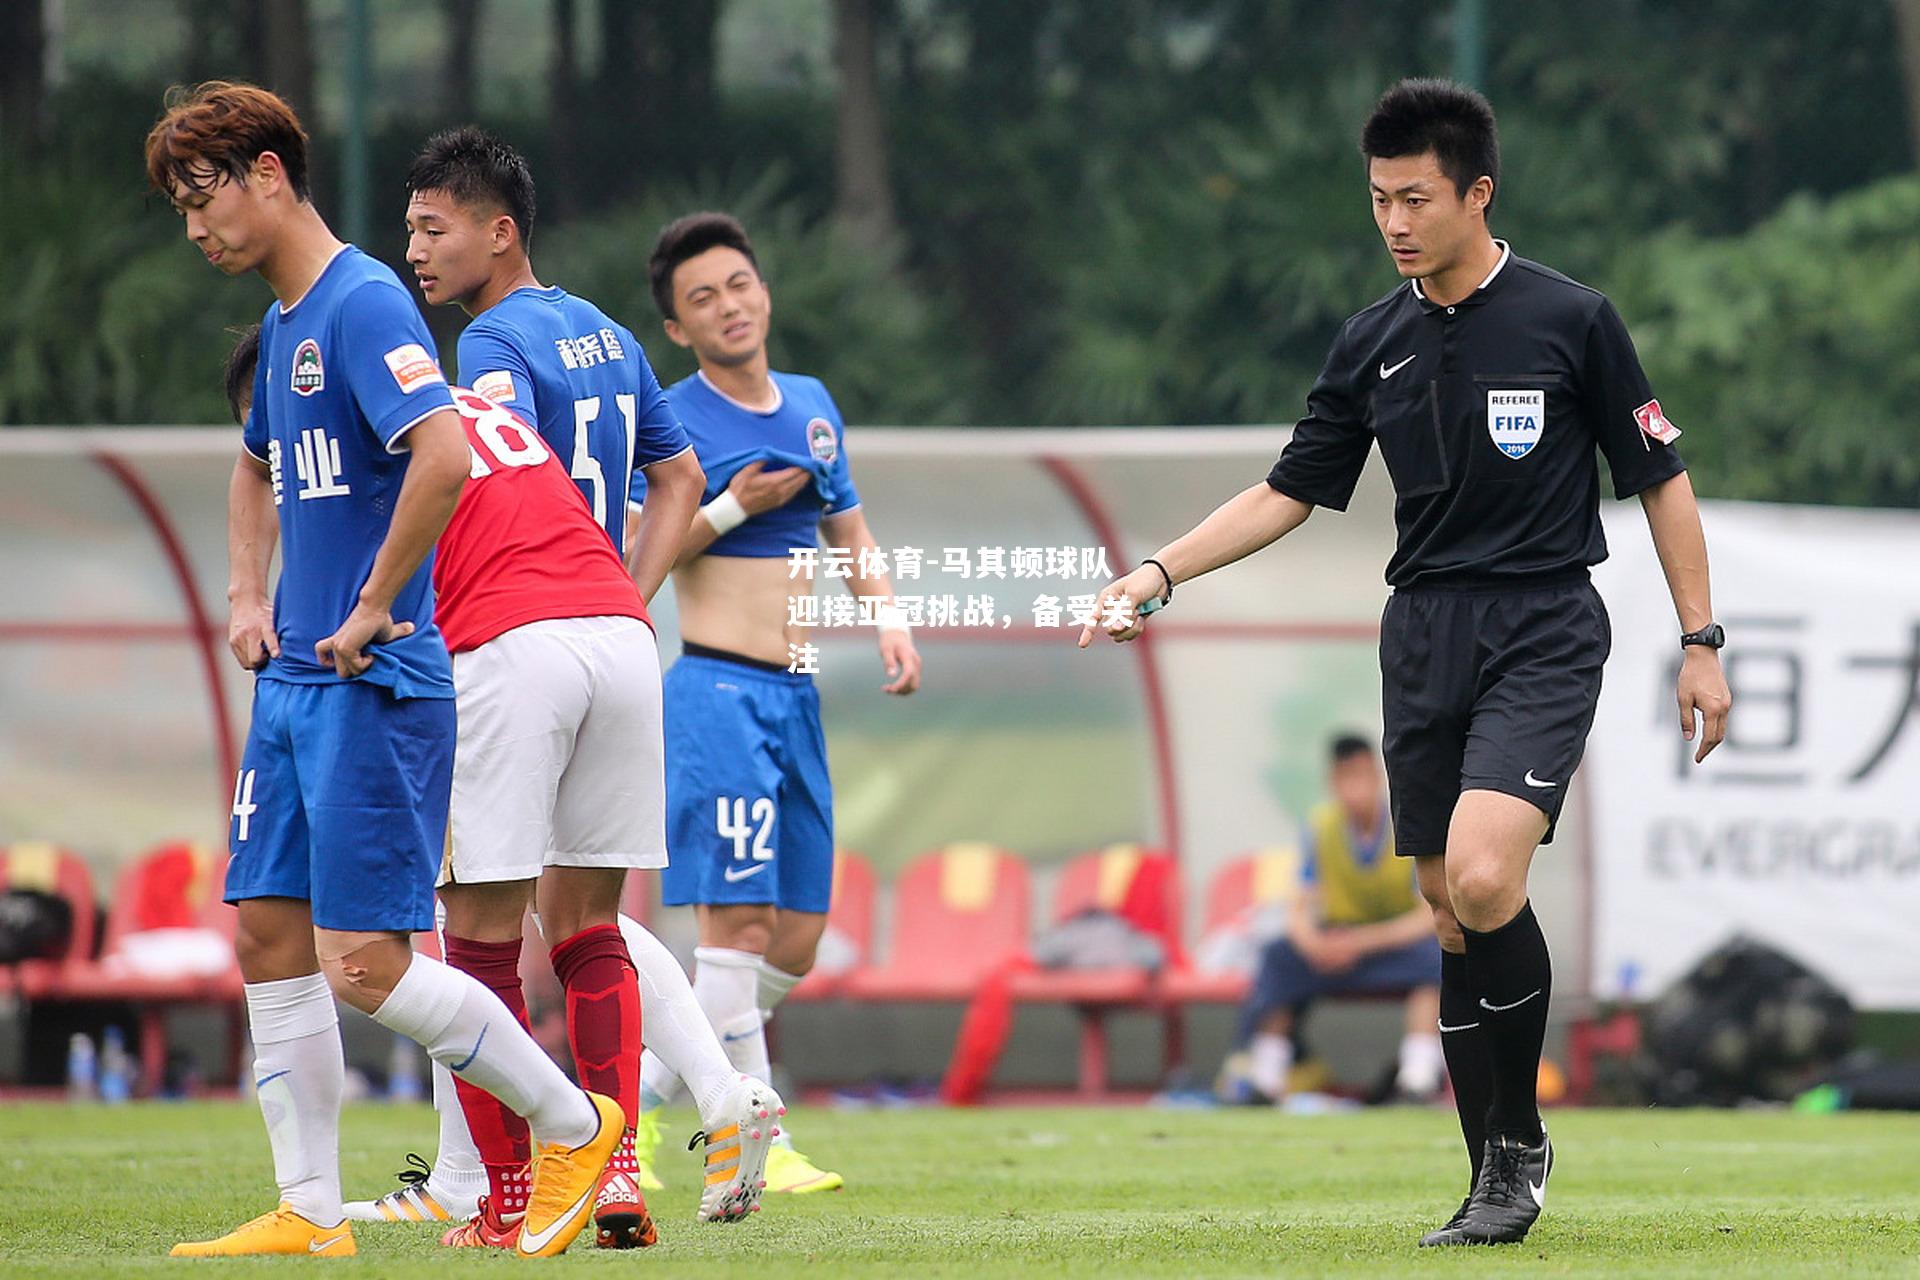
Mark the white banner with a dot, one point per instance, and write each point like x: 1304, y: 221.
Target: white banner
x: 1803, y: 829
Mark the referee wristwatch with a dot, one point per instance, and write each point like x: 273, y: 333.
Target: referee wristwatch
x: 1162, y: 600
x: 1712, y: 636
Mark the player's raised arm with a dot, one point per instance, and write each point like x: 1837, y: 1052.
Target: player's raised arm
x: 1256, y: 517
x: 436, y: 472
x: 253, y: 526
x: 902, y: 661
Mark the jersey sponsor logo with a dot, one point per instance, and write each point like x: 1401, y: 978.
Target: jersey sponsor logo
x: 495, y: 386
x: 309, y: 375
x: 1654, y: 424
x: 316, y: 461
x: 1515, y: 420
x: 412, y: 367
x: 821, y: 441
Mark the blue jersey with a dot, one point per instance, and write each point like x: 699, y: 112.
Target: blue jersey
x: 803, y: 430
x: 343, y: 374
x: 584, y: 382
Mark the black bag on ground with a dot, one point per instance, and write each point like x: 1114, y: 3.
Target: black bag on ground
x: 1748, y: 1022
x: 33, y: 925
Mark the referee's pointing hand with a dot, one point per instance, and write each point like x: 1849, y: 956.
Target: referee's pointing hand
x: 1120, y: 600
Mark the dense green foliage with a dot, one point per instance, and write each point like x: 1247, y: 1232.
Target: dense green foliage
x: 90, y: 1191
x: 1108, y: 211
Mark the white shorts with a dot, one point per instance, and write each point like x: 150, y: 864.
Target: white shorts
x: 559, y: 761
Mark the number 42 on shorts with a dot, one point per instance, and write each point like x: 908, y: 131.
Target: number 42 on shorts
x: 748, y: 823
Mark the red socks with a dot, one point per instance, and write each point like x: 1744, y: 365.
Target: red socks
x: 499, y: 1134
x: 603, y: 1020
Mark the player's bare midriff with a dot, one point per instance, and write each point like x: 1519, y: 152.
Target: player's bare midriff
x: 737, y: 603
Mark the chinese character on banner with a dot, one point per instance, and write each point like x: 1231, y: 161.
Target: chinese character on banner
x: 837, y: 561
x: 1116, y: 614
x: 1093, y: 563
x: 906, y: 562
x: 798, y: 558
x: 873, y: 563
x: 993, y: 562
x: 1907, y: 666
x: 1081, y: 609
x: 803, y: 659
x: 943, y: 611
x: 842, y: 611
x: 1063, y: 562
x: 803, y: 611
x: 957, y: 560
x: 1028, y: 562
x: 1767, y: 676
x: 979, y: 612
x: 915, y: 607
x: 1046, y: 611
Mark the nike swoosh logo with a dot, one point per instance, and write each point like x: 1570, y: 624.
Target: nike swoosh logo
x: 753, y: 870
x: 467, y: 1061
x: 1502, y: 1008
x: 1386, y: 372
x: 1532, y: 781
x: 1465, y: 1026
x: 1538, y: 1190
x: 261, y: 1084
x: 319, y: 1246
x: 532, y: 1242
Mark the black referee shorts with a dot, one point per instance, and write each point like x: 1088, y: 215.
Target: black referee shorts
x: 1486, y: 691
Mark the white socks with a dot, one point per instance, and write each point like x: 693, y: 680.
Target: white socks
x: 1422, y: 1063
x: 299, y: 1074
x: 463, y: 1026
x: 726, y: 983
x: 456, y: 1165
x: 1270, y: 1057
x: 681, y: 1042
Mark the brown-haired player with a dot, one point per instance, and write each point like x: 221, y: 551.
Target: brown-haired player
x: 353, y: 460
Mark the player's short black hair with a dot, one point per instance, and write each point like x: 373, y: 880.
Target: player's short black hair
x: 476, y: 168
x: 689, y: 237
x: 1345, y: 746
x: 1451, y: 120
x: 241, y: 362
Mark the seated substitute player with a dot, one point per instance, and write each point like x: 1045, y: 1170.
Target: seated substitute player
x: 750, y: 807
x: 1488, y: 381
x: 1357, y: 926
x: 585, y: 383
x: 353, y: 462
x: 520, y: 543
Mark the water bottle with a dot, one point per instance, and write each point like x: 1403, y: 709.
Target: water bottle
x: 116, y: 1067
x: 82, y: 1068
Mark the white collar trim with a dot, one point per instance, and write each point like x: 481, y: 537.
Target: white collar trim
x: 1506, y: 251
x: 779, y: 397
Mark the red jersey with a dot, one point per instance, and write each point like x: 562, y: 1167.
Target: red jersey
x: 522, y: 545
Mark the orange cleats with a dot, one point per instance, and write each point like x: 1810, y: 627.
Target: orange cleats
x: 484, y: 1230
x: 566, y: 1182
x: 282, y: 1231
x: 620, y: 1217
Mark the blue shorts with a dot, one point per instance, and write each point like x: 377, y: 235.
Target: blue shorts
x: 749, y: 804
x: 1286, y: 981
x: 342, y: 801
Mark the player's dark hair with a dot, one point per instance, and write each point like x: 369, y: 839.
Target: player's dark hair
x: 689, y: 237
x: 1451, y: 120
x: 215, y: 131
x: 1346, y: 746
x: 241, y: 362
x: 476, y: 168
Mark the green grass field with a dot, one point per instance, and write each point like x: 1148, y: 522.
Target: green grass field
x: 93, y: 1191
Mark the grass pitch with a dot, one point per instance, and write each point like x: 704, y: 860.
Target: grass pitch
x: 93, y: 1191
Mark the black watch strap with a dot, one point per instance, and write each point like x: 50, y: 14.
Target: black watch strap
x: 1167, y: 597
x: 1712, y: 636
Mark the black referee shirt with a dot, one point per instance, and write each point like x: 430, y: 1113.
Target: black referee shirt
x: 1487, y: 413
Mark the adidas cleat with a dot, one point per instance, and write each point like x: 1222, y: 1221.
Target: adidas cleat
x: 737, y: 1151
x: 415, y: 1200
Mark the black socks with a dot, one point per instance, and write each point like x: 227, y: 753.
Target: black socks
x: 1510, y: 980
x: 1463, y: 1039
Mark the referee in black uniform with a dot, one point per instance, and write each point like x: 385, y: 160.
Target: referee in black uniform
x: 1487, y: 381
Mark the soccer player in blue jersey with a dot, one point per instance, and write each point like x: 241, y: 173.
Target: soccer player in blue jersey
x: 353, y: 461
x: 585, y: 383
x: 749, y: 805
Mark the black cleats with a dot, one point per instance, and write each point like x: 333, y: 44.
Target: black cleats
x: 1509, y: 1195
